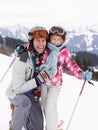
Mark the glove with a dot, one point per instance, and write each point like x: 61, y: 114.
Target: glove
x: 87, y: 75
x: 43, y: 76
x: 19, y: 49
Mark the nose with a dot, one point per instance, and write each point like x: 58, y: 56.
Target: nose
x: 56, y: 42
x: 41, y: 43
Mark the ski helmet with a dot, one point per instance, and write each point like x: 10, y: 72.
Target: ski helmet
x: 58, y: 30
x: 36, y: 32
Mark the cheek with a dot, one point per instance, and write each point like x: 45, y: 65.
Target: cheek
x: 45, y: 43
x: 52, y: 42
x: 62, y: 41
x: 35, y: 47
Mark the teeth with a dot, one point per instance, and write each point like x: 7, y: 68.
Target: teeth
x: 40, y: 47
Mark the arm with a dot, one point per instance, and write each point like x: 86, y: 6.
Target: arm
x: 20, y: 75
x: 72, y: 66
x: 75, y: 69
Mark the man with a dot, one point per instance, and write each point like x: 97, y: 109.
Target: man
x: 24, y: 89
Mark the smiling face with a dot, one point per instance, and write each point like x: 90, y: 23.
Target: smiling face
x: 39, y: 44
x: 56, y: 40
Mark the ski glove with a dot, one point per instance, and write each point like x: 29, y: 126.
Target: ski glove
x: 43, y: 76
x: 19, y: 49
x: 87, y: 75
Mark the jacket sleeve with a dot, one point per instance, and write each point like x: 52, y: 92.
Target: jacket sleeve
x: 21, y: 80
x: 72, y: 66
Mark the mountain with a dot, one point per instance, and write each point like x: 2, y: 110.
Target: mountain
x: 77, y: 39
x: 83, y: 39
x: 15, y: 31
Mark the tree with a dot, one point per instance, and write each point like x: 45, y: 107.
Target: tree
x: 78, y: 60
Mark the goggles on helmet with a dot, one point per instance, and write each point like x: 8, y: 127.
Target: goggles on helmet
x: 39, y: 33
x: 57, y: 30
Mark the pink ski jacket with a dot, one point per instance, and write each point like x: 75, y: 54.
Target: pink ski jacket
x: 64, y: 58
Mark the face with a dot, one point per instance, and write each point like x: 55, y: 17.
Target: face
x: 39, y: 44
x: 56, y: 40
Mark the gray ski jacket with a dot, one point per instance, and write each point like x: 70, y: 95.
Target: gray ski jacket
x: 22, y: 73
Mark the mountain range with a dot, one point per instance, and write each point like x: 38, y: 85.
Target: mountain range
x: 77, y: 39
x: 82, y: 41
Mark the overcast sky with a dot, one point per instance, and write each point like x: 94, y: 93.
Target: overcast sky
x: 47, y: 12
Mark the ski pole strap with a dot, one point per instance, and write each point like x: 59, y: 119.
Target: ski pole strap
x: 90, y: 83
x: 84, y: 85
x: 61, y: 122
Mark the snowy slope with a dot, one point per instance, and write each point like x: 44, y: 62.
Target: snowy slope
x: 4, y: 102
x: 86, y: 114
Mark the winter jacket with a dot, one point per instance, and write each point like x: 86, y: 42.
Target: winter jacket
x: 22, y: 73
x: 63, y: 58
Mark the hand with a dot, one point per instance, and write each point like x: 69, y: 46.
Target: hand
x: 43, y: 76
x: 19, y: 49
x: 87, y: 75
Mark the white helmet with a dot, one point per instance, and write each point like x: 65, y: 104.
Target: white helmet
x: 41, y: 32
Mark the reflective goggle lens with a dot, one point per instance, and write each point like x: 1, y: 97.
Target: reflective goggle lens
x: 58, y: 30
x: 39, y: 33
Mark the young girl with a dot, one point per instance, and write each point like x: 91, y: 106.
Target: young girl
x: 58, y: 57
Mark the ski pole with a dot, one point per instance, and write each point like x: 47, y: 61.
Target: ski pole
x: 8, y: 68
x: 76, y: 104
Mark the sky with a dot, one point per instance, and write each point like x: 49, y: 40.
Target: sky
x: 48, y: 12
x: 85, y: 116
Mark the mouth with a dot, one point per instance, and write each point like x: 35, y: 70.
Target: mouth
x: 40, y: 47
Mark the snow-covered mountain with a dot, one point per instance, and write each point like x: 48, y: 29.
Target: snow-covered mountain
x: 15, y: 31
x: 78, y: 39
x: 83, y: 39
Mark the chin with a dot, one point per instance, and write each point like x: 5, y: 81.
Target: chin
x: 40, y: 51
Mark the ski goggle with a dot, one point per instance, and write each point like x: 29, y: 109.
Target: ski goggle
x: 39, y: 33
x: 57, y: 30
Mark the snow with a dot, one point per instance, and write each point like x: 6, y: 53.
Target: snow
x: 85, y: 116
